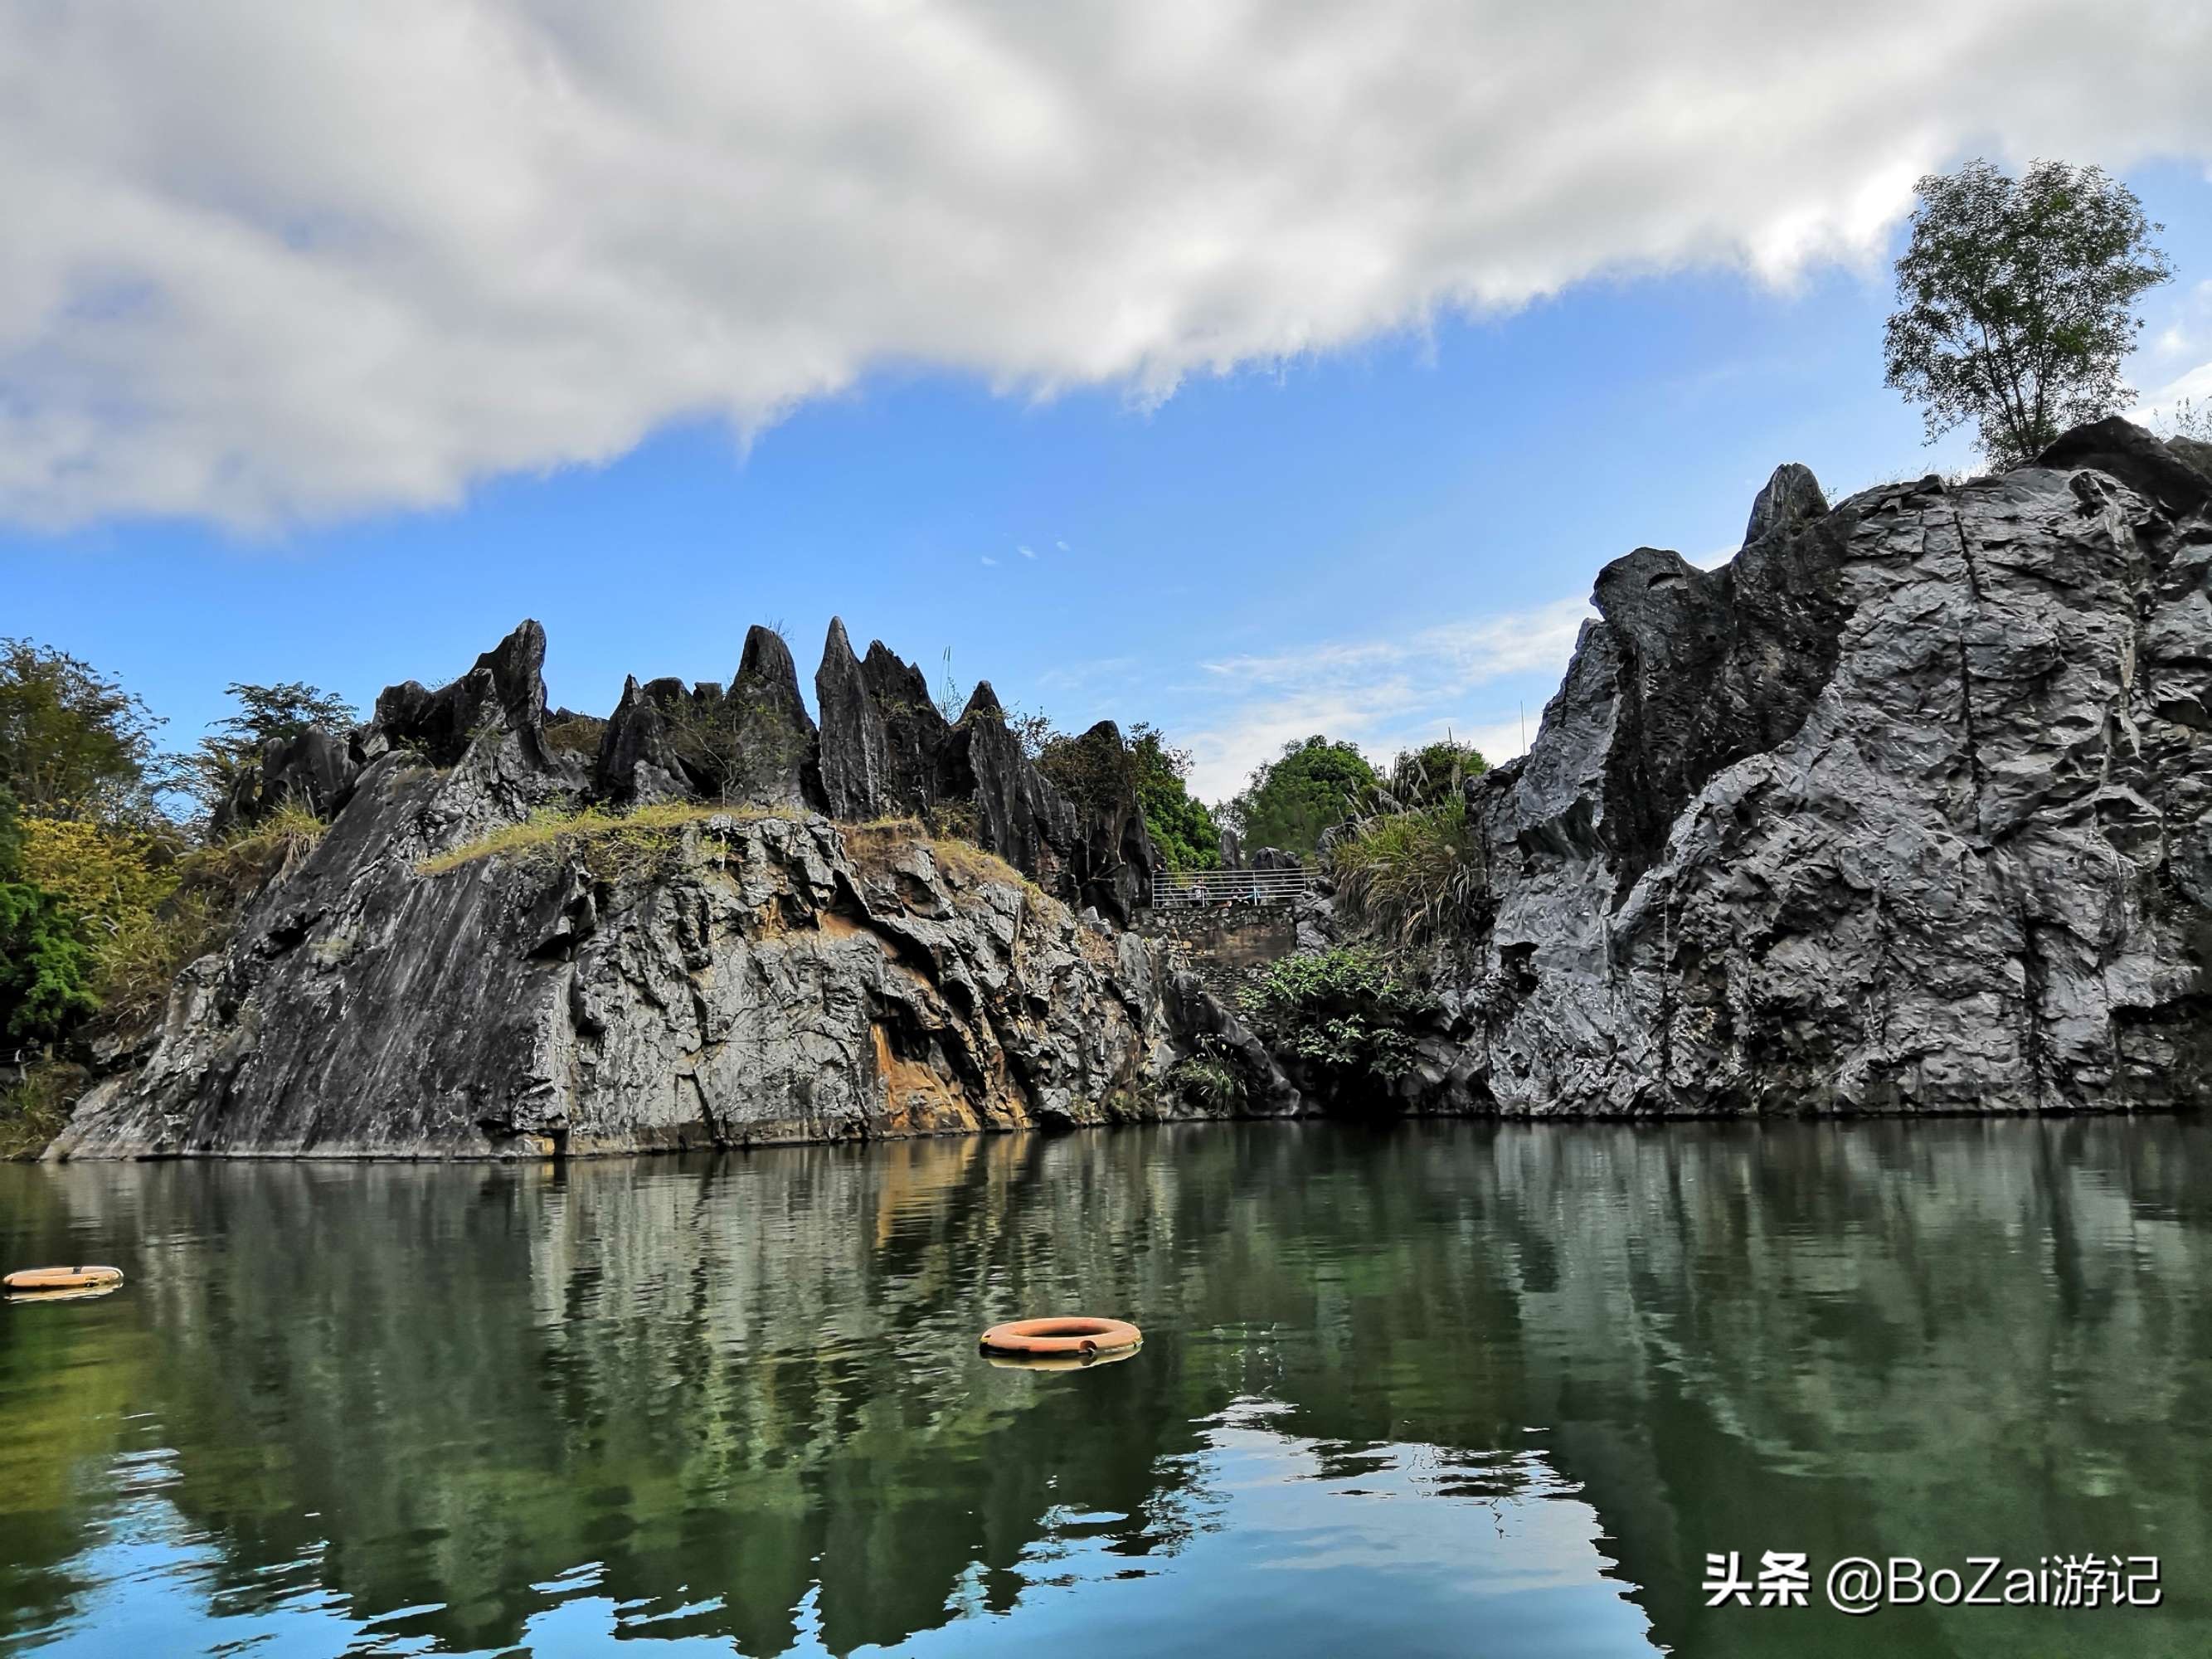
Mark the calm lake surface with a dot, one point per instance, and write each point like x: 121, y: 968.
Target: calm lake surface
x: 1443, y: 1388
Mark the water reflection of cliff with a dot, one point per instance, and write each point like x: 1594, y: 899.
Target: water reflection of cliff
x: 739, y: 1381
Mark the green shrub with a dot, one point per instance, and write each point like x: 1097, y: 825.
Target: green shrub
x: 1343, y: 1019
x: 33, y: 1108
x: 1209, y: 1077
x: 1430, y: 776
x: 49, y: 973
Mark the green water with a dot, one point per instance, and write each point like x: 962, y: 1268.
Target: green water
x: 1453, y: 1390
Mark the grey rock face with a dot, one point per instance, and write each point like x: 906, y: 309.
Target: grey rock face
x: 775, y: 744
x: 505, y: 688
x: 745, y: 979
x: 855, y: 748
x: 1905, y: 809
x: 1018, y: 815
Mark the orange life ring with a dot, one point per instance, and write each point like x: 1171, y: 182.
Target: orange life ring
x: 1071, y: 1336
x: 63, y: 1278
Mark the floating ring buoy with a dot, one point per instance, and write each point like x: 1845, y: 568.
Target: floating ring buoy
x: 1073, y: 1337
x: 63, y: 1278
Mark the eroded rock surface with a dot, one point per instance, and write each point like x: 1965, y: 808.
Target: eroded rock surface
x: 745, y: 977
x: 1904, y: 809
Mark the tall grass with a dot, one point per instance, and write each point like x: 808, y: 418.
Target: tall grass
x: 1414, y: 878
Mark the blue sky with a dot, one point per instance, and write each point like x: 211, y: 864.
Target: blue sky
x: 1381, y: 537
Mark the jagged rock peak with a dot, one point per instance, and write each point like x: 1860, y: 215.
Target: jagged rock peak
x: 982, y: 701
x: 855, y: 747
x: 504, y: 690
x: 779, y: 749
x: 767, y: 668
x: 1791, y: 495
x: 638, y: 759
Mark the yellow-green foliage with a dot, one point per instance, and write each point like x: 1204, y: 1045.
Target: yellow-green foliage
x: 643, y: 833
x: 210, y: 885
x: 107, y: 875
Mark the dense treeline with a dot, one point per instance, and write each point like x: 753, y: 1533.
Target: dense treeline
x: 110, y: 879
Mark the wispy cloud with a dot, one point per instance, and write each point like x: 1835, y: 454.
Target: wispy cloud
x: 987, y: 559
x: 1385, y: 694
x: 1025, y: 552
x: 1456, y: 654
x: 1063, y: 547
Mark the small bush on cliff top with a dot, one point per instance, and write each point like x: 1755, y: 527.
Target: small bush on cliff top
x: 1345, y: 1019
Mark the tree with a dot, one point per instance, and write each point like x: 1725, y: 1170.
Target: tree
x: 1310, y: 787
x: 266, y: 713
x: 1432, y: 775
x: 1181, y: 827
x: 11, y: 837
x: 2016, y: 302
x: 73, y: 743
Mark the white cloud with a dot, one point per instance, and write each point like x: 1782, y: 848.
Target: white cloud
x: 2187, y: 335
x: 1025, y: 553
x: 268, y: 261
x: 987, y: 559
x: 1385, y: 695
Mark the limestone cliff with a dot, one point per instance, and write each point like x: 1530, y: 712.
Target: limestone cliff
x: 504, y: 946
x: 1906, y: 808
x: 719, y: 978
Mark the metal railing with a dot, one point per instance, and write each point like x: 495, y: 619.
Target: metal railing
x: 1185, y: 889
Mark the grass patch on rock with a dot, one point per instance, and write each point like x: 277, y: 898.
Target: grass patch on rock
x: 875, y: 844
x: 643, y: 831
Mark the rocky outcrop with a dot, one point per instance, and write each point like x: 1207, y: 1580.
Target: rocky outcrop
x: 315, y: 769
x: 883, y: 751
x: 1906, y: 808
x: 638, y: 760
x: 1017, y: 815
x: 774, y: 738
x: 503, y: 690
x: 727, y: 978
